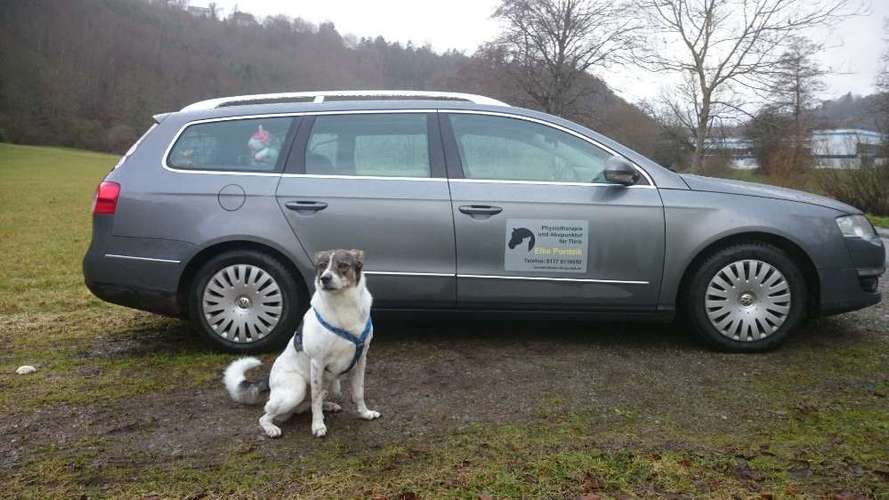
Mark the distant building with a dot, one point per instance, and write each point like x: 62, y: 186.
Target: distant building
x: 738, y: 149
x: 834, y: 148
x: 846, y: 147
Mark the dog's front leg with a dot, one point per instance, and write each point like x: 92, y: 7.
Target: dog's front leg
x: 358, y: 390
x: 318, y: 394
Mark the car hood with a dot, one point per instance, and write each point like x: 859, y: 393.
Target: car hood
x: 729, y: 186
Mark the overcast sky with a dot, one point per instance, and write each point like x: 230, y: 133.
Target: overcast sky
x: 853, y: 52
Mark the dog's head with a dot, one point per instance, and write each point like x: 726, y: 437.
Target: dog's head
x: 337, y: 270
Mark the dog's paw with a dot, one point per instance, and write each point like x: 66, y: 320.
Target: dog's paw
x: 370, y: 415
x: 330, y: 406
x: 268, y: 426
x: 319, y: 430
x: 272, y: 430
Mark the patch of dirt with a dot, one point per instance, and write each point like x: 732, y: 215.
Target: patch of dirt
x: 148, y: 335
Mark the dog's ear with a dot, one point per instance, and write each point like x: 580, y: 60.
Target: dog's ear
x: 358, y: 255
x: 322, y: 255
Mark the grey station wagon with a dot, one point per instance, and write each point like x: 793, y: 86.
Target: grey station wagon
x: 462, y: 203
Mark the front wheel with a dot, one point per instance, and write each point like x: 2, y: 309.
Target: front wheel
x: 746, y: 298
x: 245, y: 302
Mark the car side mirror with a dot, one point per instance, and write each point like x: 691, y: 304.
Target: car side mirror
x: 620, y: 171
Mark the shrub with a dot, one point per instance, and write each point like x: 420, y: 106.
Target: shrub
x: 866, y: 188
x: 119, y: 138
x: 717, y: 165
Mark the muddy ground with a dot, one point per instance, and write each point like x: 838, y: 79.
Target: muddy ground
x: 84, y: 423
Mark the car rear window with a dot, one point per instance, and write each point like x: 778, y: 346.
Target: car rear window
x: 251, y: 145
x: 385, y: 144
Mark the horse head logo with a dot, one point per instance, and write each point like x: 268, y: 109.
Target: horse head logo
x: 519, y: 235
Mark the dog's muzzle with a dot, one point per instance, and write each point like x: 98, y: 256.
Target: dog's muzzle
x: 326, y: 280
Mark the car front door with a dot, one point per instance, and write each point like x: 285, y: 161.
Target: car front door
x: 537, y: 226
x: 376, y: 181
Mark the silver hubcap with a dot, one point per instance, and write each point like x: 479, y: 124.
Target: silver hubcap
x: 748, y: 300
x: 242, y: 303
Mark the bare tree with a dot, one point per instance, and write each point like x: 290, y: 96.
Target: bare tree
x: 882, y: 83
x: 792, y: 90
x: 883, y: 76
x: 724, y: 49
x: 795, y: 81
x: 551, y: 45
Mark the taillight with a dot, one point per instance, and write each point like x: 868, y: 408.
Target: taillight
x: 106, y: 198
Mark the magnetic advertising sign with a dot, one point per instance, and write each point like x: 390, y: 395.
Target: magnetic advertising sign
x: 546, y: 245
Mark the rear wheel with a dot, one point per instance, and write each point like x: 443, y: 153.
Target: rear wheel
x: 746, y: 298
x: 245, y: 301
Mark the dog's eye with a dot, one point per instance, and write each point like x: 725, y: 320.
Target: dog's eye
x: 322, y: 263
x: 343, y: 266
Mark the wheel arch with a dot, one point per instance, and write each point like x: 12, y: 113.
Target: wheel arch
x: 214, y: 249
x: 796, y: 252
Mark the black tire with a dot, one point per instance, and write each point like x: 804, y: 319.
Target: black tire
x: 293, y: 301
x: 696, y: 293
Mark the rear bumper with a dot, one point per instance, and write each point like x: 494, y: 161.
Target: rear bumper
x: 155, y: 301
x: 140, y: 273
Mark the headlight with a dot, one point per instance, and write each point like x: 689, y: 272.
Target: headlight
x: 856, y: 226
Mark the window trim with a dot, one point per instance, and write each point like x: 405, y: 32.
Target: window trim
x: 298, y: 116
x: 455, y: 161
x: 296, y: 120
x: 295, y: 165
x: 445, y: 135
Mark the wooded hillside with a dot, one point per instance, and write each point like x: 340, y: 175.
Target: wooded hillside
x: 90, y: 73
x: 850, y: 111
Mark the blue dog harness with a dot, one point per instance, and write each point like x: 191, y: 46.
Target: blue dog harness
x: 339, y: 332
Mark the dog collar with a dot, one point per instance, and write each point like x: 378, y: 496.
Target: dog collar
x: 358, y: 341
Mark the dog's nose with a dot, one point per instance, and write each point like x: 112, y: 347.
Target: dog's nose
x: 325, y: 279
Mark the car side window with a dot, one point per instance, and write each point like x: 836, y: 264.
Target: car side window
x: 379, y: 144
x: 502, y: 148
x: 250, y: 145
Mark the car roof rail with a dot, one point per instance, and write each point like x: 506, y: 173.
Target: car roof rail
x: 319, y: 96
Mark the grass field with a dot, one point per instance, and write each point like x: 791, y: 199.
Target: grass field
x: 45, y: 208
x: 128, y: 404
x: 879, y: 221
x: 45, y: 225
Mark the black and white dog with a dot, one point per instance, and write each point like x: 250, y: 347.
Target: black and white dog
x: 332, y: 341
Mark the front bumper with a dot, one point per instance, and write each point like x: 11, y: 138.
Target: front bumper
x: 856, y: 287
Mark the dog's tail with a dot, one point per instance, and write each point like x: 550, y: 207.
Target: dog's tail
x: 239, y: 388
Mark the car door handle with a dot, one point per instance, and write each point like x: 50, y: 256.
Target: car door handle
x: 306, y: 206
x: 488, y: 210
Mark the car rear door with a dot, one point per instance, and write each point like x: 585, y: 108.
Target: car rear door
x: 536, y: 225
x: 375, y: 181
